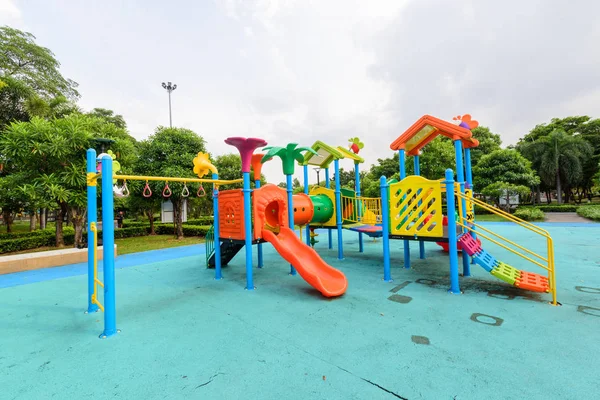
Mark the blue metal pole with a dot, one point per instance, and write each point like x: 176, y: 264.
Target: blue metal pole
x: 306, y: 192
x: 217, y: 230
x: 108, y: 253
x: 460, y: 176
x: 260, y: 248
x: 468, y: 166
x: 470, y: 181
x: 359, y: 203
x: 402, y: 160
x: 338, y: 213
x: 91, y: 218
x: 248, y: 231
x: 385, y: 229
x: 452, y: 244
x: 328, y: 186
x: 289, y: 187
x: 417, y: 165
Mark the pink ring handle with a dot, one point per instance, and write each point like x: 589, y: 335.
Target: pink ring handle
x: 167, y: 191
x: 147, y: 191
x: 201, y: 192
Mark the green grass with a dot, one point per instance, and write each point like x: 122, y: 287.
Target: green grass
x: 489, y: 218
x: 23, y: 226
x: 145, y: 243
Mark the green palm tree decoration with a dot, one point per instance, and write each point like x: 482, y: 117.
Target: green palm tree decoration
x: 288, y: 155
x: 559, y: 159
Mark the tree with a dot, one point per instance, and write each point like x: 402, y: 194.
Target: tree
x: 503, y: 166
x: 559, y: 158
x: 506, y: 190
x: 230, y: 168
x: 13, y: 101
x: 170, y: 152
x: 384, y: 167
x: 50, y: 154
x: 488, y: 143
x: 571, y: 126
x: 578, y: 126
x: 109, y: 116
x: 435, y: 158
x: 35, y: 66
x: 12, y: 200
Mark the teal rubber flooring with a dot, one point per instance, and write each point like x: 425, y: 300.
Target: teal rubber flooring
x: 186, y: 336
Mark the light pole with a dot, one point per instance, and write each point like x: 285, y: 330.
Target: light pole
x: 317, y: 170
x: 169, y: 87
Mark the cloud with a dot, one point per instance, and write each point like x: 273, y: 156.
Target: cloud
x: 10, y: 13
x: 307, y: 70
x: 512, y: 64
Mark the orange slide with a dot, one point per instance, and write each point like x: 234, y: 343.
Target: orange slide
x: 320, y: 275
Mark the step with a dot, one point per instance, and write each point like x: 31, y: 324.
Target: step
x: 532, y: 281
x: 506, y: 272
x: 468, y: 243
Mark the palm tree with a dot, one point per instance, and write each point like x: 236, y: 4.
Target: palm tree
x: 288, y: 155
x: 559, y: 158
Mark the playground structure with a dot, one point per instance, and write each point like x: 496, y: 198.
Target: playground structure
x: 411, y: 209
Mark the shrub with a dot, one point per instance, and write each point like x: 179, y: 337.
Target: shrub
x: 193, y: 230
x: 206, y: 220
x: 25, y: 243
x: 590, y: 212
x: 48, y: 231
x: 131, y: 224
x: 530, y: 214
x: 560, y: 207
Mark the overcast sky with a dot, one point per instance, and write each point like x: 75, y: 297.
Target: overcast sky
x: 303, y: 70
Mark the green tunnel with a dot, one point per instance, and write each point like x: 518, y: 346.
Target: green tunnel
x: 323, y: 210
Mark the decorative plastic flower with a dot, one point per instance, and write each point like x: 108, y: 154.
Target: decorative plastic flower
x: 257, y: 164
x: 202, y: 165
x: 356, y: 144
x: 115, y: 164
x: 246, y: 147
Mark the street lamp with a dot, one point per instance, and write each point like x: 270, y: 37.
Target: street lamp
x: 317, y: 170
x: 169, y: 87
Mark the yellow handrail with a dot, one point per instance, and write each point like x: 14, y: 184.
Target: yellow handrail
x: 502, y: 213
x: 479, y: 227
x: 97, y: 282
x: 549, y: 260
x: 366, y: 210
x: 504, y: 246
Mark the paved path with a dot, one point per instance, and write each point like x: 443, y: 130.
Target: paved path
x: 565, y: 217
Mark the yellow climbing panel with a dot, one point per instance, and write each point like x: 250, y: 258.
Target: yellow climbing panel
x: 416, y: 207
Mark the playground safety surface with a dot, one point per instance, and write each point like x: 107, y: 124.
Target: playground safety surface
x: 185, y: 335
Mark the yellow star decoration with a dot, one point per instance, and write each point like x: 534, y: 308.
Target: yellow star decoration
x: 202, y: 165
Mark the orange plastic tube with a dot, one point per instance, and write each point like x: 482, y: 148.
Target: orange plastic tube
x: 303, y: 209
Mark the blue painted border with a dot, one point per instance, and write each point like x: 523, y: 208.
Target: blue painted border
x: 125, y: 261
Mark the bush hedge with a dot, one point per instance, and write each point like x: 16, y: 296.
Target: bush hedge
x: 530, y: 214
x: 41, y: 238
x: 592, y: 212
x: 560, y: 207
x: 19, y: 235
